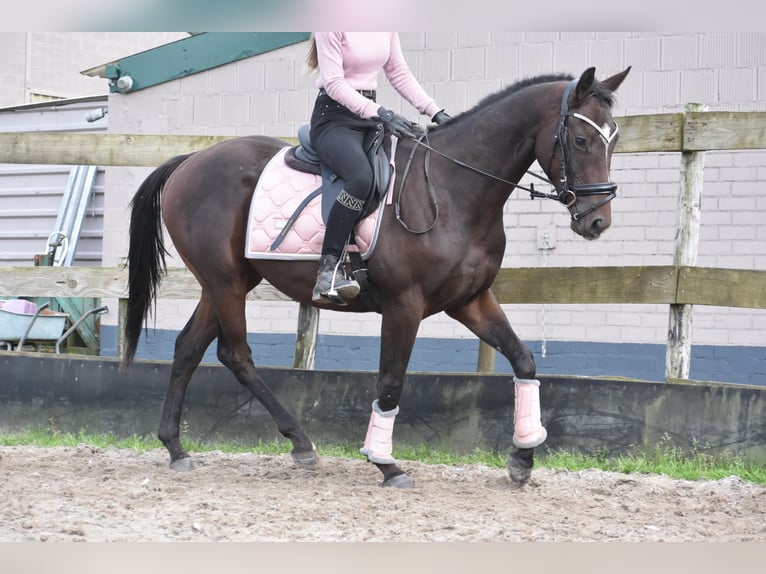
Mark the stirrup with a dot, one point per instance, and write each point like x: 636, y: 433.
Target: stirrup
x: 331, y: 296
x: 349, y: 289
x: 336, y: 293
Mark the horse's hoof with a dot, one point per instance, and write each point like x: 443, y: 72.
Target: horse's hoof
x: 398, y: 481
x: 184, y: 464
x: 519, y: 473
x: 308, y: 459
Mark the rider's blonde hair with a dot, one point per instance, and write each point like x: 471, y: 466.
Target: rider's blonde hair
x: 311, y: 57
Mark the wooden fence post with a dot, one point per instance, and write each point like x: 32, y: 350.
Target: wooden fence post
x: 487, y: 359
x: 122, y: 315
x: 306, y: 338
x: 679, y: 345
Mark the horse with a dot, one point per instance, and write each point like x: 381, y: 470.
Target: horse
x: 438, y: 251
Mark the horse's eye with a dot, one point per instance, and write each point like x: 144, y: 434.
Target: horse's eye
x: 580, y: 142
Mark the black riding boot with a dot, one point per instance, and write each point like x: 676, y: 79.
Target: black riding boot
x: 331, y: 283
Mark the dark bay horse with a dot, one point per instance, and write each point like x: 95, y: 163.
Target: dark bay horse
x: 470, y: 164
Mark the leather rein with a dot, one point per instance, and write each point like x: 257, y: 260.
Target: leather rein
x: 566, y: 194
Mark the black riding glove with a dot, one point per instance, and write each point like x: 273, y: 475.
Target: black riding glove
x: 440, y: 117
x: 398, y: 125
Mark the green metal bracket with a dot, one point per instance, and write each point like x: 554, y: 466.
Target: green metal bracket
x: 112, y: 71
x: 192, y: 55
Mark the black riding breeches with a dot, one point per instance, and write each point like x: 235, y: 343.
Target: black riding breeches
x: 337, y: 135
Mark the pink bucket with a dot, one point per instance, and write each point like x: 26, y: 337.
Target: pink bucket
x: 19, y: 306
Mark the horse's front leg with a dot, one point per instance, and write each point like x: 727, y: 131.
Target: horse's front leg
x: 485, y: 318
x: 398, y: 331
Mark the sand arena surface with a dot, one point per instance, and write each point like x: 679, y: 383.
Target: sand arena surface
x: 86, y: 493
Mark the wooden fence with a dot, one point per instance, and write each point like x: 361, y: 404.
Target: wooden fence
x: 692, y: 131
x: 663, y: 284
x: 680, y: 285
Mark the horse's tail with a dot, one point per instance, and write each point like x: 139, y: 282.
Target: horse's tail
x: 146, y: 253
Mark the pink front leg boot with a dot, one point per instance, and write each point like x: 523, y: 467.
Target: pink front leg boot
x: 378, y: 444
x: 528, y: 431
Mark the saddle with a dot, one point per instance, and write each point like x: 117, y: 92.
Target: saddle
x: 304, y: 158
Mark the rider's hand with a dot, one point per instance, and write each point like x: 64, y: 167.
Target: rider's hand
x: 398, y: 125
x: 440, y: 117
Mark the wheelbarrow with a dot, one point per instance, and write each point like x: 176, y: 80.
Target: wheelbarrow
x: 23, y: 322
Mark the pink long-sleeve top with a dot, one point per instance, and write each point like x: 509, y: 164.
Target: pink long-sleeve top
x: 351, y: 61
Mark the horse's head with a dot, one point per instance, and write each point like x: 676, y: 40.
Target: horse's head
x: 579, y: 159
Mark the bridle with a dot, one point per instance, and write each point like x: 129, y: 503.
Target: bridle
x: 568, y: 191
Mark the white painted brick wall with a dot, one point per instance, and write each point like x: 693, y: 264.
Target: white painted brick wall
x: 718, y: 50
x: 271, y: 94
x: 443, y: 41
x: 50, y: 63
x: 567, y: 55
x: 12, y: 68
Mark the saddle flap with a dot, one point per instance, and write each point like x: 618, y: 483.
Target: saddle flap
x: 303, y: 157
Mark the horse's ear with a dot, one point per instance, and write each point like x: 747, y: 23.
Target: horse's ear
x: 614, y: 82
x: 584, y: 83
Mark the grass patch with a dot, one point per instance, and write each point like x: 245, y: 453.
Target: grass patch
x: 697, y: 463
x: 665, y: 458
x: 54, y: 438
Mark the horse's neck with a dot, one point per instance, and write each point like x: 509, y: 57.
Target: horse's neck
x: 496, y: 142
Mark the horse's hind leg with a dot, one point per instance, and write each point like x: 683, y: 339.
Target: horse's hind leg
x: 190, y: 346
x: 235, y: 353
x: 486, y: 319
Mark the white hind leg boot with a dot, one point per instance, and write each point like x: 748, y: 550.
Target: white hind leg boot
x: 528, y: 431
x: 378, y: 444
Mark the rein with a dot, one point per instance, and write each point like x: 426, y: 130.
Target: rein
x: 566, y: 195
x: 432, y: 192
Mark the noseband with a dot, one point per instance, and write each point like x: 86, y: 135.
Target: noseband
x: 569, y: 191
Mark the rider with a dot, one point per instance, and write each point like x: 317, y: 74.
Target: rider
x: 348, y: 64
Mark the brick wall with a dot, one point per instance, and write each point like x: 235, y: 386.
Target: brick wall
x: 271, y: 94
x: 12, y: 68
x: 49, y: 63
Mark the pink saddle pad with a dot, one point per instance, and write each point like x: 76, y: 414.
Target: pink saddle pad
x: 279, y: 191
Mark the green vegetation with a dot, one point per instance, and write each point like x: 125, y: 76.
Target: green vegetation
x: 664, y: 458
x: 672, y: 461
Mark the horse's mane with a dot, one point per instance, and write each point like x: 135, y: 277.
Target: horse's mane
x: 597, y: 89
x: 520, y: 85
